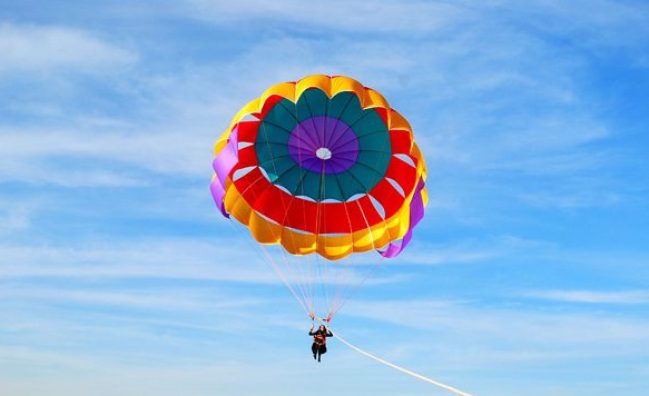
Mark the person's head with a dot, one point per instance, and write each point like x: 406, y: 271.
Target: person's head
x: 322, y: 328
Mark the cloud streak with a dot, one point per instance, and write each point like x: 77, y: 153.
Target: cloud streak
x: 34, y: 48
x: 411, y: 16
x: 592, y: 297
x: 225, y: 260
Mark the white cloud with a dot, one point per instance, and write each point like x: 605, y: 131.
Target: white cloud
x: 224, y: 260
x: 512, y: 327
x: 608, y: 23
x: 592, y: 297
x: 335, y: 15
x: 180, y: 113
x: 16, y: 217
x: 36, y: 48
x: 572, y: 198
x: 83, y: 374
x: 31, y: 156
x: 161, y: 259
x: 423, y: 253
x: 186, y: 299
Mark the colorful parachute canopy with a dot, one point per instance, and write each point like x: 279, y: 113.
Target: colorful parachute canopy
x: 321, y: 165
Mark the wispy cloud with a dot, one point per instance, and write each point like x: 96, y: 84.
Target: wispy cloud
x: 197, y: 100
x: 34, y: 48
x: 426, y: 254
x: 161, y: 259
x: 338, y: 15
x: 183, y: 299
x: 224, y: 260
x: 592, y: 297
x: 490, y: 249
x: 512, y: 328
x: 14, y: 217
x: 159, y: 152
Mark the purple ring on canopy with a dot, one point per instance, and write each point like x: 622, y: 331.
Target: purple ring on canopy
x: 323, y: 144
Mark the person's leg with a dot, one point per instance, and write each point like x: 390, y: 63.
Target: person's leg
x: 314, y: 349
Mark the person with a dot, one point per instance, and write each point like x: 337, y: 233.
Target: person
x: 319, y: 346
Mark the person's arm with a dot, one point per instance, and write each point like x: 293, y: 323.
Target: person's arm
x: 329, y: 333
x: 311, y: 332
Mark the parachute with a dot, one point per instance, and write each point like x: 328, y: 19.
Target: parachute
x: 321, y: 171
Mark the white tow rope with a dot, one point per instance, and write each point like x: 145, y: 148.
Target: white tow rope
x: 394, y: 366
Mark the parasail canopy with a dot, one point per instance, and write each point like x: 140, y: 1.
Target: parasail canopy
x: 321, y: 165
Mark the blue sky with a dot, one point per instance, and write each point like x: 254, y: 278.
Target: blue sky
x: 528, y: 276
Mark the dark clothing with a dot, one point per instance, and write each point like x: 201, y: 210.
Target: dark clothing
x: 318, y: 350
x: 319, y: 346
x: 320, y: 336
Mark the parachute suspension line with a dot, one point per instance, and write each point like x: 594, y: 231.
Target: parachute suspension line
x: 328, y: 268
x: 345, y: 293
x: 300, y: 281
x: 285, y: 280
x: 341, y: 294
x: 273, y: 265
x: 349, y: 291
x: 310, y: 265
x: 313, y: 264
x: 377, y: 265
x: 316, y: 269
x: 259, y: 247
x: 305, y: 266
x: 392, y: 365
x: 296, y: 269
x: 322, y: 267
